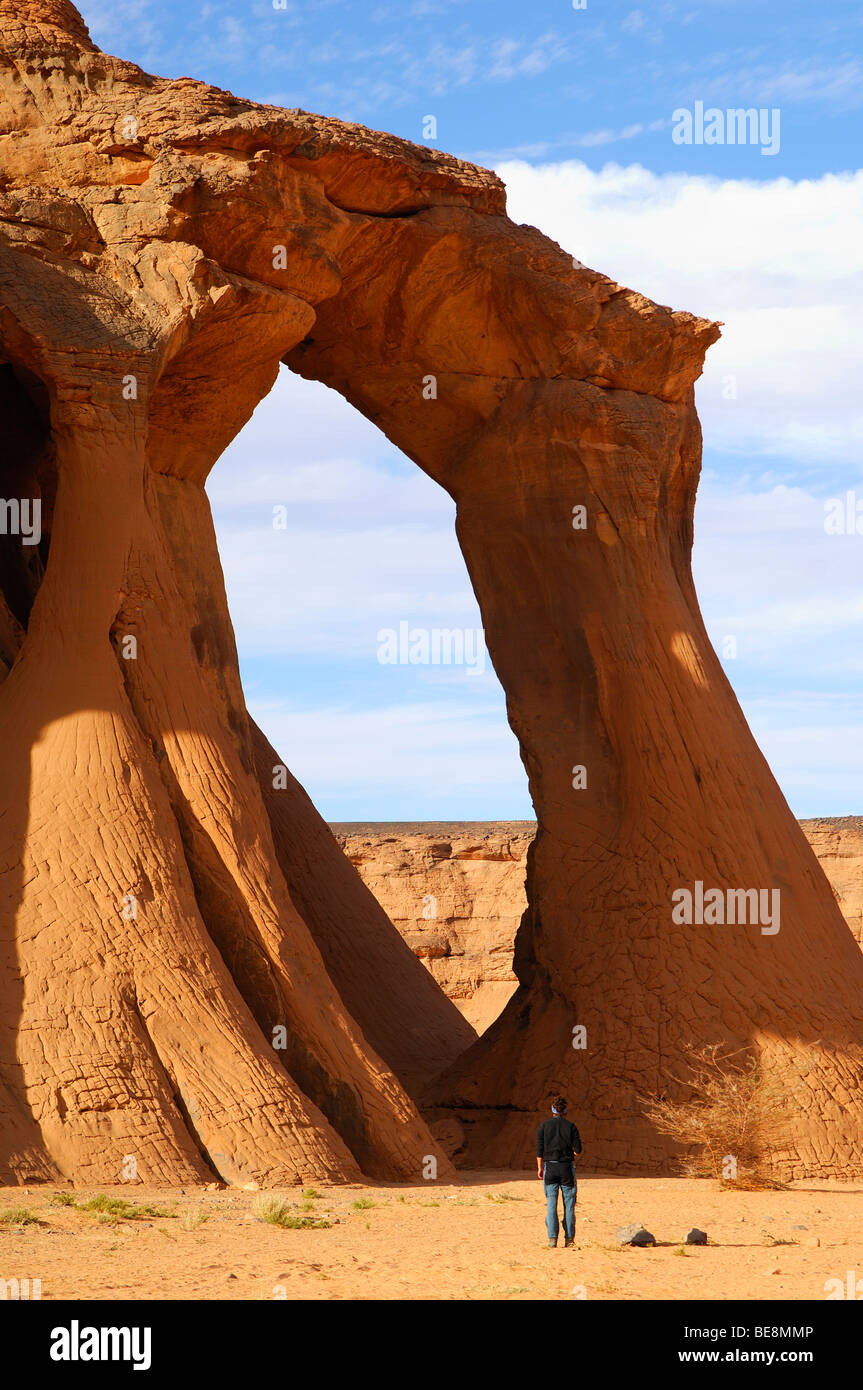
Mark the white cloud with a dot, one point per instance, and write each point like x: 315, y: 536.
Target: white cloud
x: 837, y: 84
x: 369, y: 541
x: 819, y: 761
x: 434, y: 760
x: 331, y: 592
x: 781, y: 263
x: 634, y: 21
x: 768, y: 573
x: 589, y: 139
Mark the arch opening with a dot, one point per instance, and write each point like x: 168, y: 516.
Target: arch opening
x: 363, y: 661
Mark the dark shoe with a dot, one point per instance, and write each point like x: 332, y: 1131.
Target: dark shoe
x: 552, y: 1245
x: 568, y: 1244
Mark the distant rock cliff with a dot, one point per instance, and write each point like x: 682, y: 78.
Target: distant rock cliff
x: 838, y: 843
x: 456, y: 893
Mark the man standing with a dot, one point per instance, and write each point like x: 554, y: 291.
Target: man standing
x: 557, y: 1143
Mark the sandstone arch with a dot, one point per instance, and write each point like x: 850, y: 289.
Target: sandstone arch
x: 144, y: 314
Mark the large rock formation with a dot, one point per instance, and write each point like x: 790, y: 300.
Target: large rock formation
x: 164, y: 247
x: 456, y: 893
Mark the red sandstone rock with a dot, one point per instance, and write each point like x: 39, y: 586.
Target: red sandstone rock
x: 473, y: 876
x: 456, y: 895
x: 838, y: 843
x: 164, y: 245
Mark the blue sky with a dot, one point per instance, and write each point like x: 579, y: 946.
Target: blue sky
x: 539, y: 81
x: 575, y: 109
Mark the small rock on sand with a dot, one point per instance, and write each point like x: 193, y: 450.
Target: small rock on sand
x: 633, y: 1235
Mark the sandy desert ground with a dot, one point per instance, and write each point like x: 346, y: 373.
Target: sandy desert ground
x: 483, y: 1238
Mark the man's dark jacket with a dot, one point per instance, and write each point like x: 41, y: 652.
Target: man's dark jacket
x: 557, y: 1140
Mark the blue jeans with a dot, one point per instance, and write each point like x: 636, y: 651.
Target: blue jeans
x: 552, y: 1224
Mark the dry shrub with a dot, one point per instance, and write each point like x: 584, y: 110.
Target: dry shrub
x: 279, y: 1212
x: 733, y: 1108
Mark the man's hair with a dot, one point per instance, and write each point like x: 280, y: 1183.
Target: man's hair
x: 559, y: 1104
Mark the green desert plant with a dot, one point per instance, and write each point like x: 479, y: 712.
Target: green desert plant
x: 731, y: 1120
x: 278, y: 1212
x: 769, y: 1239
x: 363, y: 1204
x: 190, y: 1220
x: 118, y: 1209
x: 19, y: 1216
